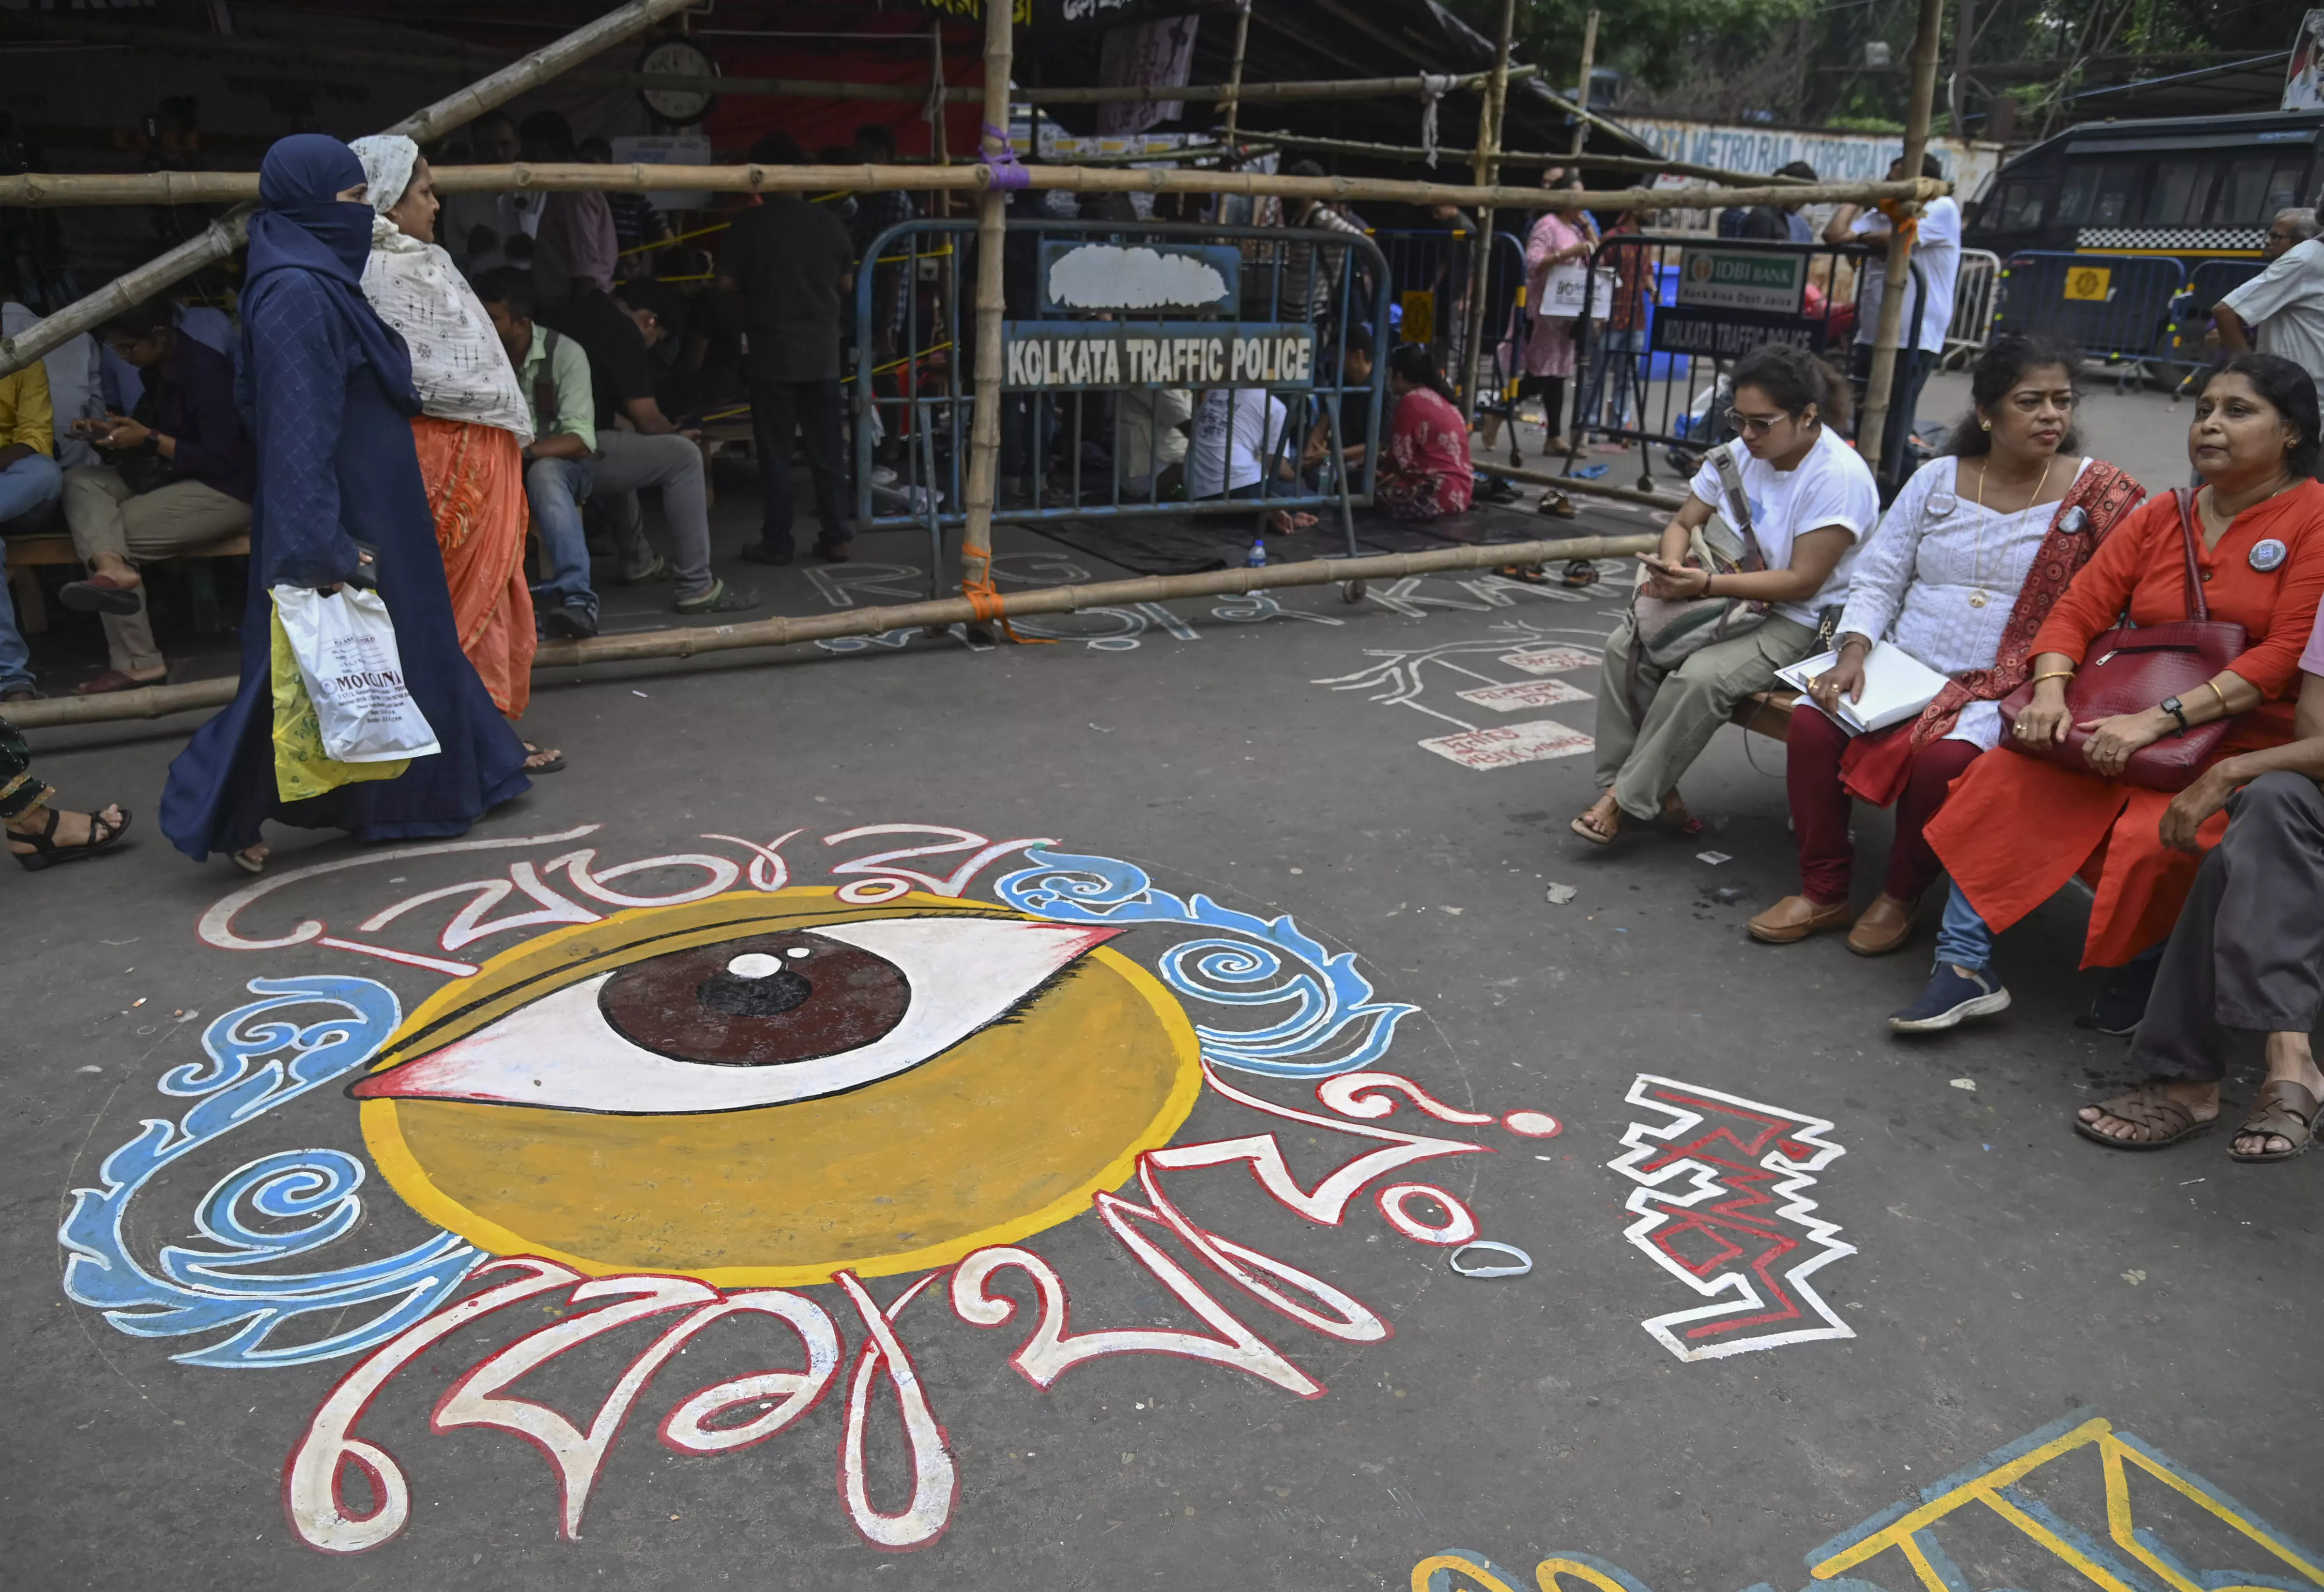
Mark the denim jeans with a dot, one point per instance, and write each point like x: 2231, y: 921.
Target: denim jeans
x: 557, y: 488
x: 27, y: 489
x: 1962, y: 938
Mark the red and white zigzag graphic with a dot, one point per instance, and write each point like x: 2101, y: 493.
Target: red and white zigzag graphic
x: 1722, y: 1210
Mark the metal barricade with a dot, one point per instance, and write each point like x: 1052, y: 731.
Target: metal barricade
x: 1976, y: 295
x: 2115, y: 308
x: 1430, y: 279
x: 1095, y: 452
x: 1650, y: 363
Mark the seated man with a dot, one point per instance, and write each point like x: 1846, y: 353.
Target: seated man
x: 178, y: 475
x: 639, y: 446
x: 1238, y: 442
x: 2246, y: 956
x: 30, y: 483
x: 1355, y: 414
x: 554, y: 373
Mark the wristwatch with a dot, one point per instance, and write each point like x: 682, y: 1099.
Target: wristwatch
x: 2171, y: 706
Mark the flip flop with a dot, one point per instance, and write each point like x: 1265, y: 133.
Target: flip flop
x: 1582, y: 827
x: 2285, y: 1109
x: 2150, y: 1109
x: 101, y: 593
x: 555, y: 765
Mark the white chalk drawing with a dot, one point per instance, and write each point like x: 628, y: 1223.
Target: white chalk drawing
x: 1403, y: 675
x: 1722, y: 1206
x: 1102, y: 276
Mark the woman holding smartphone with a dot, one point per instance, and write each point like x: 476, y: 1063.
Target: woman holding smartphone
x: 1810, y: 499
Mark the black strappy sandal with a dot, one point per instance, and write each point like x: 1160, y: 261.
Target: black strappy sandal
x: 47, y: 853
x: 556, y: 764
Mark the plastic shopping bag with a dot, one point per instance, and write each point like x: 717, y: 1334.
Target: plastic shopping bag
x: 345, y: 647
x: 302, y: 768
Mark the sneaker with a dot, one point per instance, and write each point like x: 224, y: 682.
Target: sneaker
x: 2122, y: 1002
x: 569, y: 621
x: 720, y: 598
x: 658, y: 570
x: 1949, y: 1000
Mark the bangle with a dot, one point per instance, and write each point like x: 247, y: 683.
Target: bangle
x: 2221, y: 695
x: 1708, y: 576
x: 2052, y: 674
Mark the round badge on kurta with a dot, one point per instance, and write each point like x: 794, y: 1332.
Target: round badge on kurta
x: 2268, y: 554
x: 769, y: 1087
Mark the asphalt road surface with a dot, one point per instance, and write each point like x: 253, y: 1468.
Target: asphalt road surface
x: 892, y: 1115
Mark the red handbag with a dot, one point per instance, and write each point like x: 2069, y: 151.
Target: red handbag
x: 2131, y: 669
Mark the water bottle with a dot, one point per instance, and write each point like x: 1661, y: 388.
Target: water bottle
x: 1258, y: 557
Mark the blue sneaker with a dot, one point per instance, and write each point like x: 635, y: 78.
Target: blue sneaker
x: 1948, y: 998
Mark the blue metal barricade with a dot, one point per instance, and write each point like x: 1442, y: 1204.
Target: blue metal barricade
x: 1668, y: 316
x: 1095, y: 451
x: 2115, y: 308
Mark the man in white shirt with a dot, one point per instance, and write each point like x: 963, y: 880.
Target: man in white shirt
x: 1935, y: 263
x: 2281, y: 310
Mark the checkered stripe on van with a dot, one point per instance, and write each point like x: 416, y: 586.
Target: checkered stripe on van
x: 2194, y: 240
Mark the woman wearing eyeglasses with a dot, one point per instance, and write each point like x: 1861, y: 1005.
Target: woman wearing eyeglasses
x: 1809, y: 497
x: 1966, y: 563
x: 2016, y: 828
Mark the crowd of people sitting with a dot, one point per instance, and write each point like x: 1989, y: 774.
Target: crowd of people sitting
x: 2037, y: 589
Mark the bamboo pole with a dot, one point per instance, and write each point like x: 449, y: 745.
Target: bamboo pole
x: 1485, y: 173
x: 41, y: 189
x: 1589, y: 64
x: 307, y: 57
x: 1261, y: 139
x: 153, y: 701
x: 992, y: 224
x: 223, y: 236
x: 1651, y: 500
x: 1234, y: 68
x: 1873, y: 424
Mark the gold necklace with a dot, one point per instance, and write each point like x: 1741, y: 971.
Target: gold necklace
x: 1977, y: 597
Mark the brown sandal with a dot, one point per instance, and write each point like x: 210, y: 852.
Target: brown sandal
x: 2286, y: 1111
x: 2162, y: 1118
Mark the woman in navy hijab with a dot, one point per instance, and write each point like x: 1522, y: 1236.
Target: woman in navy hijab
x: 326, y: 389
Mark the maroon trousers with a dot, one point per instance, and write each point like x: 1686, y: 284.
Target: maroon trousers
x: 1820, y: 810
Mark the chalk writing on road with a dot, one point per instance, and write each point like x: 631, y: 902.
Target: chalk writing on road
x: 709, y: 1099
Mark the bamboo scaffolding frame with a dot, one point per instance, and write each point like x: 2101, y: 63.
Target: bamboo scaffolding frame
x: 153, y: 701
x: 295, y: 54
x: 223, y: 236
x: 41, y: 189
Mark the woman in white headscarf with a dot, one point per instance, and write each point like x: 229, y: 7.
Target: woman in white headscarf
x: 473, y: 425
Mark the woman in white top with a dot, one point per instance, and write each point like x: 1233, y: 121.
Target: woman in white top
x: 472, y: 429
x: 1960, y: 576
x: 1809, y: 498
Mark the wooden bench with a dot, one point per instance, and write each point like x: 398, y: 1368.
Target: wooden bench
x: 1768, y: 712
x: 27, y: 554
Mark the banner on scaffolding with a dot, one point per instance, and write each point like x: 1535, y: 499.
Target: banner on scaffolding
x: 1052, y: 356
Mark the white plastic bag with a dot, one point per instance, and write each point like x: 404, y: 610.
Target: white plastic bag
x: 345, y: 647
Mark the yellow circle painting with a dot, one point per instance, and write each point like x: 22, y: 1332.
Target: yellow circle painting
x: 769, y: 1087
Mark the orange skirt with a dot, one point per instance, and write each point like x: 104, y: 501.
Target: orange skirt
x: 475, y: 476
x: 2016, y: 828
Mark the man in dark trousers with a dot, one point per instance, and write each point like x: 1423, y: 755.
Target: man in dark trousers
x: 790, y: 264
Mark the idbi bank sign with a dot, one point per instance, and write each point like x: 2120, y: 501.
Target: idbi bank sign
x: 1735, y: 279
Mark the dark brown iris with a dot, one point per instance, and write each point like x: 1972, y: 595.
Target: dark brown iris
x: 757, y: 1002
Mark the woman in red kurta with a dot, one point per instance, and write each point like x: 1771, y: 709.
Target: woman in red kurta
x: 2017, y: 828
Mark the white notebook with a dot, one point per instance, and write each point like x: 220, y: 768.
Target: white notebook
x: 1897, y: 686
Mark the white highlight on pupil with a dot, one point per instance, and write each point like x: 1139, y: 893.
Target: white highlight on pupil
x: 798, y: 951
x: 752, y: 964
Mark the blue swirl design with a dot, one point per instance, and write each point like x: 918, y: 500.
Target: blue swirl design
x: 257, y: 1061
x: 1331, y: 1003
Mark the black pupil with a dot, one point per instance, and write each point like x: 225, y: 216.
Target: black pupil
x: 740, y: 995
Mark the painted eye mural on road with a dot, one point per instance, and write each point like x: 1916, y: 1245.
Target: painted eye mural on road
x: 834, y: 1081
x: 687, y: 1089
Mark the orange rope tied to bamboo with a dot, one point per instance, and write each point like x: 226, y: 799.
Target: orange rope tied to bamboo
x: 984, y: 600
